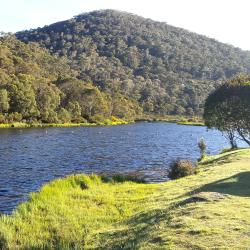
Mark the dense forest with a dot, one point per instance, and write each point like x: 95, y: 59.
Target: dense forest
x: 110, y: 63
x: 38, y: 87
x: 167, y: 70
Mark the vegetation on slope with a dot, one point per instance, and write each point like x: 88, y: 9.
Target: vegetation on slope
x: 36, y: 87
x: 167, y: 70
x: 203, y: 211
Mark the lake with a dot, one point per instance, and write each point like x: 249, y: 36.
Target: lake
x: 31, y: 157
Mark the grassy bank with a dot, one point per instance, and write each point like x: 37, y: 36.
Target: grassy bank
x: 107, y: 122
x: 191, y: 123
x: 81, y: 212
x: 179, y: 119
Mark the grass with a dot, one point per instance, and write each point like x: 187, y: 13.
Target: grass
x: 91, y: 212
x: 178, y: 119
x: 44, y: 125
x: 166, y: 118
x: 106, y: 122
x: 191, y: 123
x: 113, y: 121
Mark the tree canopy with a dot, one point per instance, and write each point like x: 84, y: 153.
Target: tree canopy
x: 38, y: 87
x: 167, y: 70
x: 228, y: 109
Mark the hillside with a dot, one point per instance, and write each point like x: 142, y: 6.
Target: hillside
x: 209, y: 210
x: 37, y: 87
x: 167, y: 70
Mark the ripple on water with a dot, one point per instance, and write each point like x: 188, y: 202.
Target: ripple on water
x: 31, y: 157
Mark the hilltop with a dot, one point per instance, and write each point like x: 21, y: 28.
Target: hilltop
x: 166, y: 70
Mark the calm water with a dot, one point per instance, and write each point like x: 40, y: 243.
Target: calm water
x: 31, y: 157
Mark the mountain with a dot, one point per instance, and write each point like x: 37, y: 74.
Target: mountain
x: 167, y: 70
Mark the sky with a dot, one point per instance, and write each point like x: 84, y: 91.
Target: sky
x: 225, y: 20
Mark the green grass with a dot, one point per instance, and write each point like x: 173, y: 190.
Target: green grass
x: 43, y: 125
x: 106, y: 122
x: 178, y: 119
x: 14, y: 125
x: 112, y: 121
x: 191, y: 123
x: 88, y: 212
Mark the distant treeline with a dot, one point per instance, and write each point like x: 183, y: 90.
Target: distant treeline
x: 110, y: 63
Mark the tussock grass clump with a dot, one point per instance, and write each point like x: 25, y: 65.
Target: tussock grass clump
x: 116, y: 178
x: 181, y: 168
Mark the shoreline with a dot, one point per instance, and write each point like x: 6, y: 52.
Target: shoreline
x: 171, y: 119
x: 187, y: 207
x: 191, y: 123
x: 59, y: 125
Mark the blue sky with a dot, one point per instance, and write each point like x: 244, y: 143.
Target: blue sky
x: 224, y: 20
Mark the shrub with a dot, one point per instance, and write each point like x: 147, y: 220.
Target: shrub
x: 14, y: 117
x: 127, y: 177
x: 202, y: 146
x: 2, y: 118
x: 181, y: 168
x: 64, y: 116
x: 120, y: 177
x: 97, y: 119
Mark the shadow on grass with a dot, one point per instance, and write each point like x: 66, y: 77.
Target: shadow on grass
x: 136, y: 231
x: 221, y: 160
x: 238, y: 184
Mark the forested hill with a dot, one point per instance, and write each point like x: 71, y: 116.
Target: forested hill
x: 167, y: 70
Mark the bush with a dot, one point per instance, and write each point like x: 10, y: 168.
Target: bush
x: 120, y: 177
x: 181, y: 168
x: 2, y: 118
x: 97, y: 119
x: 64, y: 116
x: 14, y: 117
x: 202, y: 146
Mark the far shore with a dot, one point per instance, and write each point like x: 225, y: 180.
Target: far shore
x: 47, y: 125
x: 170, y: 119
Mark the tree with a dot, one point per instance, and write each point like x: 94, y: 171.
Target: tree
x: 4, y: 101
x: 228, y: 110
x: 48, y: 98
x: 75, y: 111
x: 22, y: 96
x: 119, y: 52
x: 85, y: 97
x: 64, y: 116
